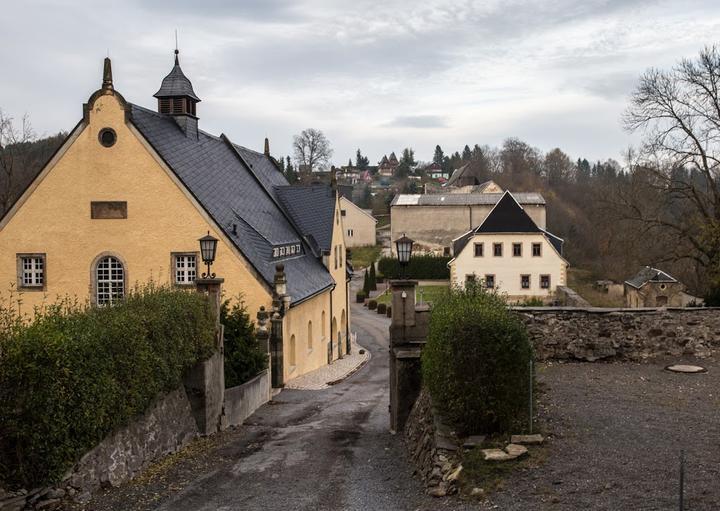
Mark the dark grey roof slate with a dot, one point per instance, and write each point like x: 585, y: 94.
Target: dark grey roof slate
x: 312, y: 207
x: 231, y: 193
x: 649, y: 274
x: 176, y: 84
x: 507, y: 217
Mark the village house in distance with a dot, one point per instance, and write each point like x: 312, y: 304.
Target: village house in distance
x: 131, y: 190
x: 509, y: 252
x: 434, y: 220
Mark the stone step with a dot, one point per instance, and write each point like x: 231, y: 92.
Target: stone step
x: 527, y: 439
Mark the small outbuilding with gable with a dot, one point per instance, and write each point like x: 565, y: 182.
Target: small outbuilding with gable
x: 651, y: 287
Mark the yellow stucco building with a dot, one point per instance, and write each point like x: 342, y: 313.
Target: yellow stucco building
x: 126, y: 197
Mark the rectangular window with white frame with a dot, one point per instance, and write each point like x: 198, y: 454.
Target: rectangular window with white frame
x: 497, y: 249
x: 537, y: 250
x: 479, y: 249
x: 184, y: 268
x: 517, y: 249
x: 31, y: 271
x: 490, y: 281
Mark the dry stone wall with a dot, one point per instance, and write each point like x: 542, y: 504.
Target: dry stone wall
x: 592, y: 334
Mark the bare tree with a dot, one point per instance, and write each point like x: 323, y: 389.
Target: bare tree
x: 311, y: 150
x: 678, y: 112
x: 13, y: 156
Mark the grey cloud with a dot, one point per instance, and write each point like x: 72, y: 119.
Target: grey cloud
x: 418, y: 121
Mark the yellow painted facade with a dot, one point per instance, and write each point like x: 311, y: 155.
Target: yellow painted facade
x: 53, y: 218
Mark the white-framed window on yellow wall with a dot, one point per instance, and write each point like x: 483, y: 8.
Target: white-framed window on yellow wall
x: 31, y: 271
x: 109, y: 281
x: 184, y: 268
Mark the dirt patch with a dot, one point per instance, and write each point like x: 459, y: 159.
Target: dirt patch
x: 615, y: 433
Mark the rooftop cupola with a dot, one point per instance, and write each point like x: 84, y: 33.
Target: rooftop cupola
x: 176, y: 97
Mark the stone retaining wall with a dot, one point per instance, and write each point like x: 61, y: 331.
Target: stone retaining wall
x: 242, y: 401
x: 166, y: 427
x: 433, y: 448
x: 621, y: 334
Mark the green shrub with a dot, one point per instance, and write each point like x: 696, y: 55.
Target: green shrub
x: 245, y: 358
x: 381, y: 308
x: 389, y: 311
x: 372, y: 305
x: 531, y: 302
x: 366, y: 283
x: 360, y: 297
x: 420, y: 267
x: 476, y: 362
x: 75, y: 374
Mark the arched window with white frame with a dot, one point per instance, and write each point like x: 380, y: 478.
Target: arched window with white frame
x: 109, y: 280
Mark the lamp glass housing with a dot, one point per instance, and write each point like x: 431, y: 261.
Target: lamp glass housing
x: 404, y: 247
x: 208, y: 248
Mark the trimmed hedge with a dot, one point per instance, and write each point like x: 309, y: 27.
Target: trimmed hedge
x: 360, y: 297
x: 75, y: 374
x: 372, y: 305
x: 476, y: 363
x: 426, y: 267
x: 244, y: 356
x: 382, y: 308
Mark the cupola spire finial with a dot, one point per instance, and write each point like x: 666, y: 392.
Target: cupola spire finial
x: 107, y: 75
x: 177, y: 62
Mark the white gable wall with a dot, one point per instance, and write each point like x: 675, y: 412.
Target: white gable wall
x: 508, y: 268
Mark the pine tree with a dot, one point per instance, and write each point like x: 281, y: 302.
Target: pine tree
x: 373, y: 278
x: 349, y: 163
x: 467, y: 154
x: 439, y: 155
x: 366, y: 284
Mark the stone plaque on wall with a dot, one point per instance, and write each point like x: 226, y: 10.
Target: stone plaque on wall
x: 108, y: 209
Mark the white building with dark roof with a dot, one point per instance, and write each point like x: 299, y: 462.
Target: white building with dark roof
x: 510, y: 253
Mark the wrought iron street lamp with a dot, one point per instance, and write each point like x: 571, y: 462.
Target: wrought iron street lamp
x: 404, y: 246
x: 208, y: 249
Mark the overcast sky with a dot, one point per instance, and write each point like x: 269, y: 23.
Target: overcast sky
x: 379, y: 75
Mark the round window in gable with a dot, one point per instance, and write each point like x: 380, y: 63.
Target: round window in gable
x: 107, y: 137
x: 662, y: 286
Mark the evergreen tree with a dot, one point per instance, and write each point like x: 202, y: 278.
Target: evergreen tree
x: 366, y: 284
x: 408, y: 156
x: 290, y: 173
x: 361, y: 162
x: 466, y: 154
x: 373, y: 277
x: 439, y: 156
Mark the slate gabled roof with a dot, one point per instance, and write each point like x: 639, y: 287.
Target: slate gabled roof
x: 463, y: 199
x: 312, y: 207
x: 232, y: 184
x: 649, y: 274
x: 508, y: 216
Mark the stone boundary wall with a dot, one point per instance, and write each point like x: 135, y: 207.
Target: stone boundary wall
x: 590, y: 334
x: 570, y: 298
x: 164, y: 428
x: 433, y: 448
x: 242, y: 401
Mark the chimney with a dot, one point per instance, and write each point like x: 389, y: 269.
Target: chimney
x: 267, y: 147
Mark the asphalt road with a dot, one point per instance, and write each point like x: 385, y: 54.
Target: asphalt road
x: 308, y: 450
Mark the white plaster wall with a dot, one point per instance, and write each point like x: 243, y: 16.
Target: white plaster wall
x: 508, y: 268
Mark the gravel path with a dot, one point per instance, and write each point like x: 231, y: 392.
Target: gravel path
x: 617, y: 431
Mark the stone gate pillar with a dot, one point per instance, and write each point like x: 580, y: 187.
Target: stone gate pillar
x: 205, y: 383
x: 408, y: 334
